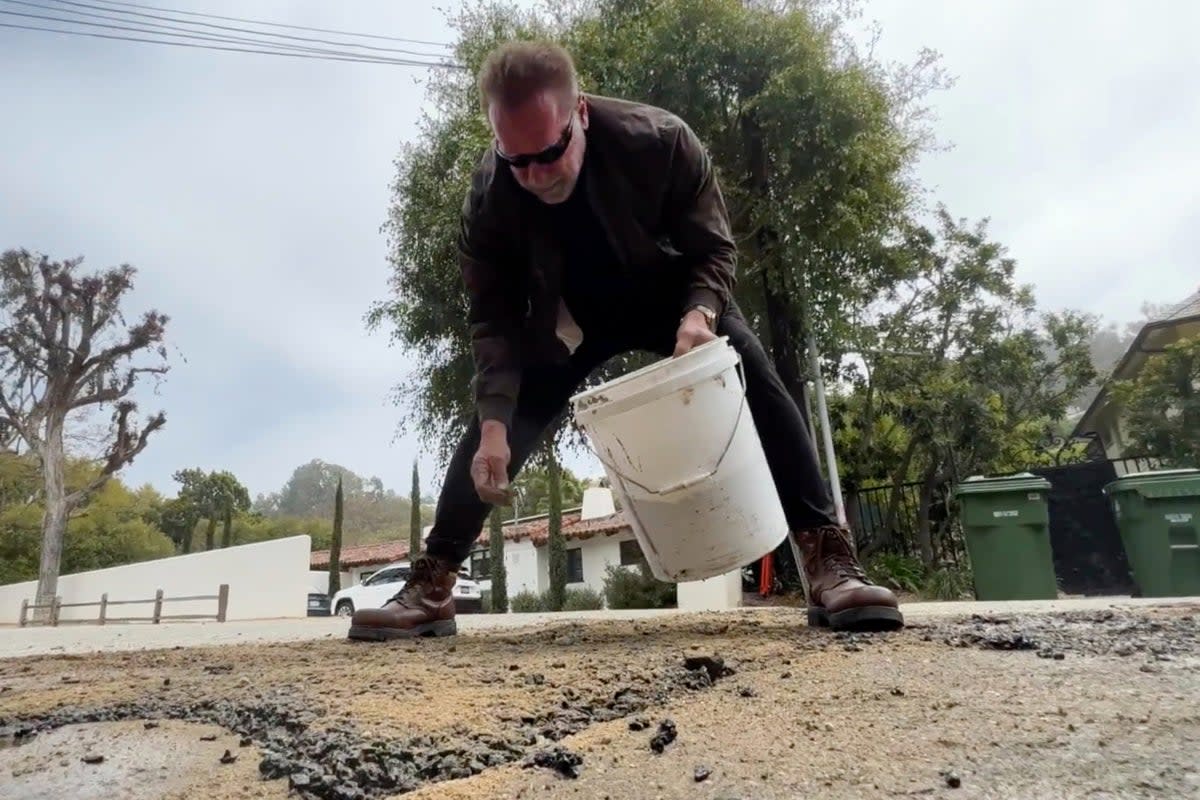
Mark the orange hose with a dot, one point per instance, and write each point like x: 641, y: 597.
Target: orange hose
x: 766, y: 575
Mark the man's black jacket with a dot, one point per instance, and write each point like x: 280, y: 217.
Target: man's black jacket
x: 652, y: 185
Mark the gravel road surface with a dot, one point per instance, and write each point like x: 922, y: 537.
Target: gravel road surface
x: 1094, y: 703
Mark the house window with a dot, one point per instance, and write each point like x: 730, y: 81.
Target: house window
x: 631, y: 553
x: 575, y: 565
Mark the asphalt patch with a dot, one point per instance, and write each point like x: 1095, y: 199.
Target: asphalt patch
x: 340, y: 763
x: 1092, y: 633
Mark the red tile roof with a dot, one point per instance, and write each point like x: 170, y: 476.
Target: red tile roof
x: 537, y: 531
x: 362, y: 555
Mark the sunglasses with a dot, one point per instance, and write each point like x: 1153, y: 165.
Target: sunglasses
x: 548, y: 156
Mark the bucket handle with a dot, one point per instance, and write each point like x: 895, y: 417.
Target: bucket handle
x: 696, y: 478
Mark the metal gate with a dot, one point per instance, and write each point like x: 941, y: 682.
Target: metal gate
x: 1089, y: 558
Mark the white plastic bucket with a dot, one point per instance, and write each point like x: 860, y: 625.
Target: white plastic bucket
x: 681, y: 451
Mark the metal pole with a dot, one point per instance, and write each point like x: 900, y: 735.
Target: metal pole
x: 808, y: 415
x: 826, y: 429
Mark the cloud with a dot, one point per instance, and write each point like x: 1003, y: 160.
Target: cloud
x: 249, y: 191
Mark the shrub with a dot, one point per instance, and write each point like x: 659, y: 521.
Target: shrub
x: 948, y: 582
x: 586, y: 599
x: 525, y: 602
x: 628, y: 588
x: 897, y: 572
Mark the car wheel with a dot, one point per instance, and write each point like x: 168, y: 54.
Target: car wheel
x: 345, y: 608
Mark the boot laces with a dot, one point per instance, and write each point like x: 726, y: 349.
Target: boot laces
x: 425, y: 572
x: 838, y: 558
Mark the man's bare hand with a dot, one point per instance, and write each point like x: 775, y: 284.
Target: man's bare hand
x: 489, y: 467
x: 693, y: 331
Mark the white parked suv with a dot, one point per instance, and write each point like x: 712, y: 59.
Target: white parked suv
x: 376, y: 590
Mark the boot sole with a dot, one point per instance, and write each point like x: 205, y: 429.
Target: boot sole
x: 442, y: 627
x: 867, y: 618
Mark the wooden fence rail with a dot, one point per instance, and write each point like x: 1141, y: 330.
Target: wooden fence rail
x: 56, y: 606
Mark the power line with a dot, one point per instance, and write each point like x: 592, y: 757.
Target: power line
x: 148, y: 27
x: 109, y: 11
x: 358, y: 59
x: 274, y: 24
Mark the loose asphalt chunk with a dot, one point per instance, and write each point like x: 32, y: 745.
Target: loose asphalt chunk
x: 665, y: 735
x: 563, y: 761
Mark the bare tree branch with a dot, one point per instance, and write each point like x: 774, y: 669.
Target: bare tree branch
x: 53, y: 362
x: 126, y: 445
x: 116, y: 392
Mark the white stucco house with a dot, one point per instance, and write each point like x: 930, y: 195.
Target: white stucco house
x: 596, y: 535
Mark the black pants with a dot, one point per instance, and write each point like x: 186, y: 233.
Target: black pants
x: 544, y: 396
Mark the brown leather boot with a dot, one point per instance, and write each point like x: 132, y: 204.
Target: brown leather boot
x: 424, y: 606
x: 839, y: 594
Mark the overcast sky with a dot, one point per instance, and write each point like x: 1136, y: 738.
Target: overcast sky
x: 249, y: 192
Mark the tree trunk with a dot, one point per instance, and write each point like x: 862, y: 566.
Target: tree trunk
x: 785, y: 336
x: 924, y: 537
x: 866, y: 423
x: 210, y: 534
x: 335, y: 543
x: 498, y: 573
x: 785, y: 353
x: 54, y: 518
x: 414, y: 519
x: 188, y: 535
x: 227, y: 531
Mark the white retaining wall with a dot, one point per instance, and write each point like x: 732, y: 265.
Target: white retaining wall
x: 718, y: 593
x: 266, y: 580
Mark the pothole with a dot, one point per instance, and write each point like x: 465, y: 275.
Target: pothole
x: 276, y: 739
x: 127, y: 760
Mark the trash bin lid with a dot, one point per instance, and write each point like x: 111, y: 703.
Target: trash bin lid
x: 1021, y: 482
x: 1159, y: 483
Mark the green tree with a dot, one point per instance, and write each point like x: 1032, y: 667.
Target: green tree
x: 215, y: 496
x: 959, y: 357
x: 178, y: 521
x: 335, y: 545
x: 811, y: 140
x: 414, y: 523
x: 309, y: 490
x: 65, y: 351
x: 496, y: 569
x: 1162, y: 404
x: 373, y: 512
x: 531, y: 489
x: 556, y: 546
x: 20, y: 480
x: 109, y: 531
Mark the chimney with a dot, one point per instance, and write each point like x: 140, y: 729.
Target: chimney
x: 597, y: 502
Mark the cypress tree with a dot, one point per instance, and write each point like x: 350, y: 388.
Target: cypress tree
x: 497, y: 574
x: 335, y: 545
x: 414, y: 525
x: 557, y: 546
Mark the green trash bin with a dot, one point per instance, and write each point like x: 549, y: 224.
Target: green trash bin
x: 1006, y: 522
x: 1158, y: 515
